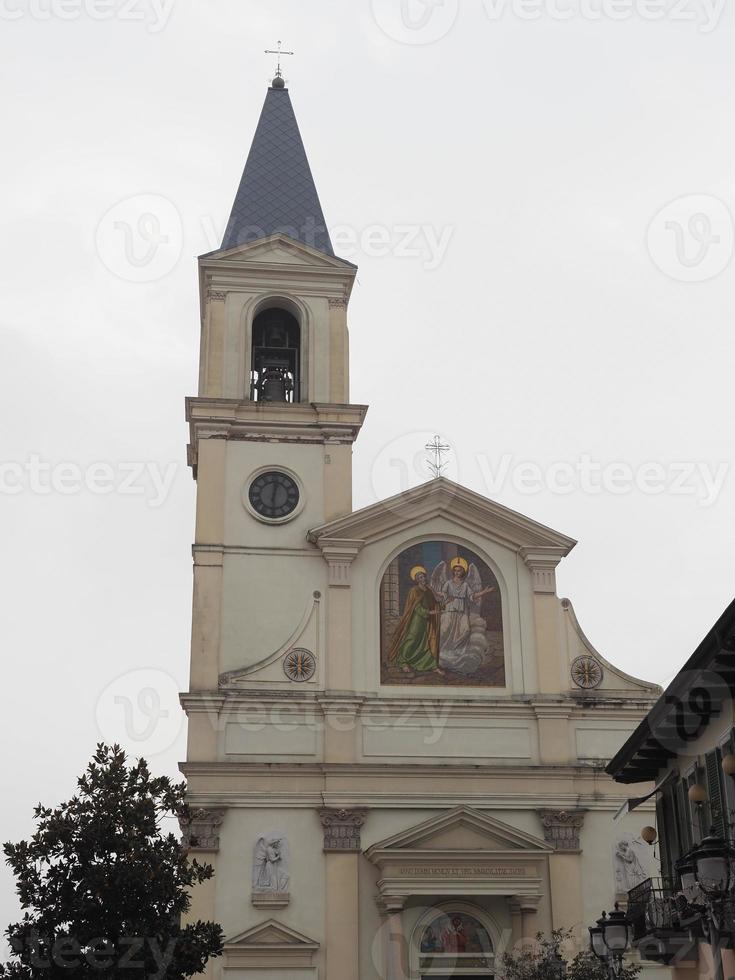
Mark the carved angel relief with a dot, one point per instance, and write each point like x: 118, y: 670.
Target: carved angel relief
x: 271, y: 877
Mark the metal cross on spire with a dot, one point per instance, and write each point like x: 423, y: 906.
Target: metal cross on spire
x: 279, y: 52
x: 438, y: 449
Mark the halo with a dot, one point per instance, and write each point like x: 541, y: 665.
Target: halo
x: 459, y: 561
x: 416, y: 570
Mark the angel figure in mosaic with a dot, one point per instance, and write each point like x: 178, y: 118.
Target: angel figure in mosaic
x: 463, y: 631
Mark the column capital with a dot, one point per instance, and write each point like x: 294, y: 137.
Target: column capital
x: 342, y: 829
x: 562, y: 829
x: 542, y: 564
x: 339, y: 553
x: 200, y: 828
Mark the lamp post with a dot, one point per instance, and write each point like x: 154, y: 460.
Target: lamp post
x: 558, y: 966
x: 610, y: 940
x: 711, y: 864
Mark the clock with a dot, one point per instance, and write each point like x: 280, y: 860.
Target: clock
x: 274, y: 495
x: 586, y: 672
x: 299, y: 665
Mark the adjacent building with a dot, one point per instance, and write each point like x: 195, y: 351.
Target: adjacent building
x: 686, y: 747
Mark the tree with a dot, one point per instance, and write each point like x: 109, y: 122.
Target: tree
x: 102, y: 888
x: 535, y: 960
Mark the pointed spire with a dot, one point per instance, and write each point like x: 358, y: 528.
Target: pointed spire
x: 277, y: 191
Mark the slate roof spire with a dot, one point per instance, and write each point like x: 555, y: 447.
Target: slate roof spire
x: 277, y: 191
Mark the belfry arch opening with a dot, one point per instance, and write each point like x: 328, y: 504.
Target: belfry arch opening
x: 275, y: 357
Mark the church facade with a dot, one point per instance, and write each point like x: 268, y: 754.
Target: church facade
x: 397, y: 729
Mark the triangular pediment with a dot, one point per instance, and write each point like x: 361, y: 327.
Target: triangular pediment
x: 444, y: 498
x: 463, y: 829
x: 279, y: 250
x: 270, y: 935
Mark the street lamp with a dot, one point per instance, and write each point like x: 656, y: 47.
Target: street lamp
x: 687, y: 872
x: 558, y: 966
x: 711, y: 863
x: 611, y: 939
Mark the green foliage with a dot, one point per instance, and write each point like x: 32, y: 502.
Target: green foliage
x: 586, y: 966
x: 102, y: 888
x: 535, y: 960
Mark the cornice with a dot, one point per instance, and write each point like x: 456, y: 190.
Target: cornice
x: 526, y: 708
x: 405, y: 770
x: 310, y: 423
x: 442, y: 497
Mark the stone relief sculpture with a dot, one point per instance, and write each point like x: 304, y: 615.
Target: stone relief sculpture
x: 629, y: 870
x: 271, y: 878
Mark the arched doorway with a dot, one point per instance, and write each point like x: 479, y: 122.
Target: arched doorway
x: 453, y: 943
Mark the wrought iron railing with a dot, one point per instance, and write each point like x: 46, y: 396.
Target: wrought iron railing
x: 656, y: 905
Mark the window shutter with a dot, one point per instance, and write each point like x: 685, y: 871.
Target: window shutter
x: 664, y: 841
x: 729, y: 784
x: 714, y: 790
x: 683, y: 821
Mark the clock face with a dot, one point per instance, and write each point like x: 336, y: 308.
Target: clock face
x: 586, y: 672
x: 273, y: 495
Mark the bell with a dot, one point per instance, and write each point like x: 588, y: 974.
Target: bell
x: 273, y: 386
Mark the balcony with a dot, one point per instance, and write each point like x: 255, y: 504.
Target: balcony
x: 665, y: 928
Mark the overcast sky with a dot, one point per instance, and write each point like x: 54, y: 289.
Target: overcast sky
x: 539, y: 198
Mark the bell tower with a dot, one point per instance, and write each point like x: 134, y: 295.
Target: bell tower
x: 271, y: 429
x: 274, y: 372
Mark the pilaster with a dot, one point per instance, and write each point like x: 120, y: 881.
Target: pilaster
x: 339, y: 555
x: 542, y: 563
x: 553, y: 732
x: 562, y: 829
x: 342, y: 847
